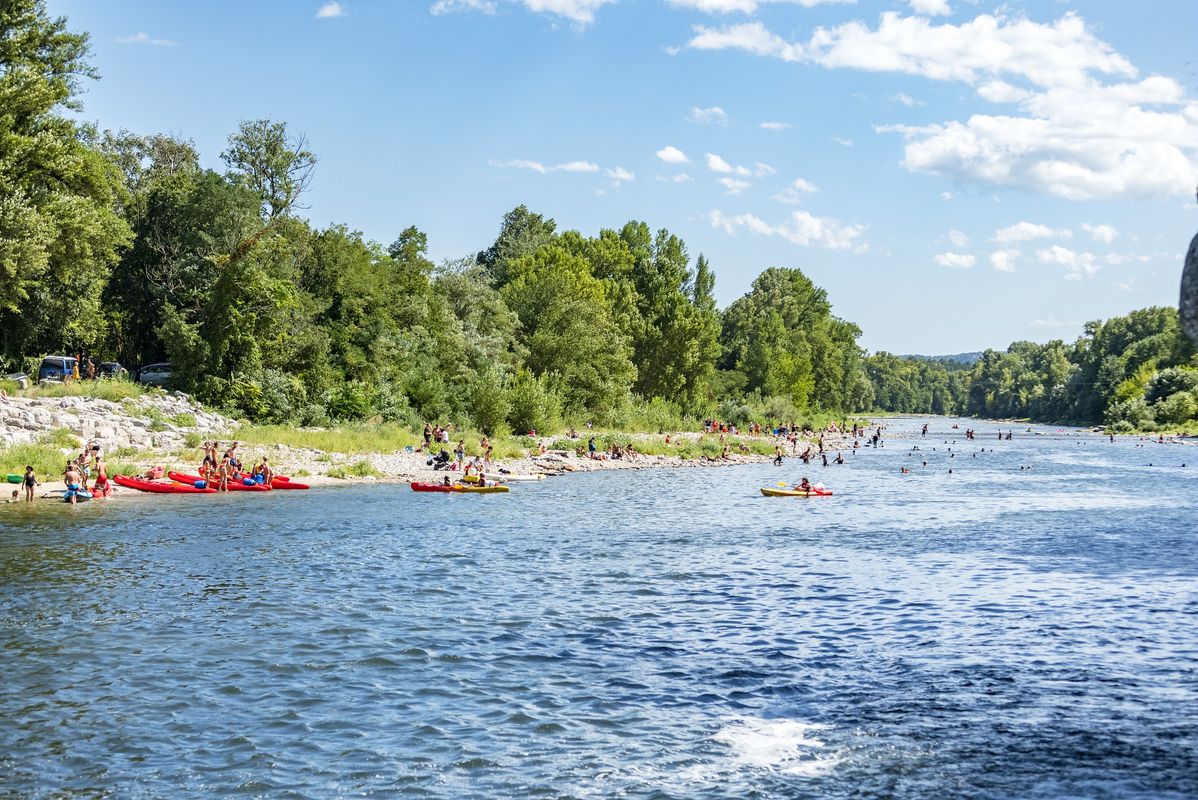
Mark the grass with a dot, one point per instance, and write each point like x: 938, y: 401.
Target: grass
x: 360, y: 469
x: 61, y: 438
x: 351, y: 439
x: 184, y: 420
x: 112, y: 390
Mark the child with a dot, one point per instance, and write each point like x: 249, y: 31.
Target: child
x: 15, y: 496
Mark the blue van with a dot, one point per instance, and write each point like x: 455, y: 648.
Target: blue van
x: 56, y: 368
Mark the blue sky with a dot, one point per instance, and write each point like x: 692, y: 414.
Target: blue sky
x: 957, y: 174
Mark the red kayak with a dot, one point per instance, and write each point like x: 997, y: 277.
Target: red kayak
x: 234, y: 486
x: 431, y: 487
x: 159, y: 487
x: 280, y: 482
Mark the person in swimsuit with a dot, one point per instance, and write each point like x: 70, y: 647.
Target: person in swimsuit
x: 804, y: 486
x: 101, y: 483
x: 30, y: 481
x: 72, y: 479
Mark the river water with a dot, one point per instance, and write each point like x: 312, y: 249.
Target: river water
x: 989, y: 633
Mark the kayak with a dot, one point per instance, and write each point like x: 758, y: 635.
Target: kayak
x: 159, y: 487
x: 234, y: 486
x: 15, y: 478
x: 79, y: 494
x: 505, y: 478
x: 456, y: 488
x: 768, y: 492
x: 287, y: 483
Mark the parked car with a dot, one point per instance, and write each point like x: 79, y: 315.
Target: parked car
x: 155, y: 374
x: 111, y: 369
x: 57, y: 369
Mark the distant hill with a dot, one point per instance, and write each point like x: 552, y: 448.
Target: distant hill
x: 967, y: 359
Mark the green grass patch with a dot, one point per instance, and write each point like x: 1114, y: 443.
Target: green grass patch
x: 112, y: 390
x: 184, y: 420
x: 351, y: 439
x: 61, y: 438
x: 47, y: 461
x: 192, y: 439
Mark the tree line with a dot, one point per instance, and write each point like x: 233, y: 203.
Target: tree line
x: 123, y: 245
x: 1134, y: 372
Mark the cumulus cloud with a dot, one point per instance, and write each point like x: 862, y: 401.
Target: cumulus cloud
x: 1077, y: 265
x: 618, y: 176
x: 580, y: 12
x: 1023, y: 231
x: 145, y: 38
x: 1004, y: 260
x: 330, y: 10
x: 672, y: 155
x: 955, y: 260
x: 734, y: 185
x: 773, y: 126
x: 803, y: 229
x: 1100, y: 233
x: 708, y: 116
x: 681, y: 177
x: 931, y: 8
x: 1073, y: 135
x: 793, y: 194
x: 905, y: 99
x: 543, y: 169
x: 745, y: 6
x: 958, y: 238
x: 843, y: 141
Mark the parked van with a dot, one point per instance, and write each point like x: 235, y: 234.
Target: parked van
x: 56, y: 368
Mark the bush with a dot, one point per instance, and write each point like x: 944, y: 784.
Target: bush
x: 1134, y: 412
x: 62, y: 438
x: 184, y: 420
x: 1171, y: 381
x: 1176, y: 409
x: 533, y: 404
x: 488, y: 401
x: 349, y: 402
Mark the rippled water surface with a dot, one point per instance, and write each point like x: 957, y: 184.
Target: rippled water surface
x: 659, y: 634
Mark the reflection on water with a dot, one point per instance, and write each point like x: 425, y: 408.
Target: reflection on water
x: 993, y: 632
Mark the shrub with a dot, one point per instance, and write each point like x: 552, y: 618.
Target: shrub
x: 1135, y: 412
x: 1175, y: 409
x: 61, y: 438
x: 488, y: 401
x: 349, y: 402
x: 533, y: 404
x: 1169, y: 382
x: 184, y: 420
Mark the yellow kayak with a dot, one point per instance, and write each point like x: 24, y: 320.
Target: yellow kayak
x: 502, y: 478
x: 480, y: 489
x: 768, y: 492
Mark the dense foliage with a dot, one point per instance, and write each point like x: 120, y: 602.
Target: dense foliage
x: 1135, y: 372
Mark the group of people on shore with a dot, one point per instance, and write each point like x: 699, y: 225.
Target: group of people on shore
x: 218, y: 472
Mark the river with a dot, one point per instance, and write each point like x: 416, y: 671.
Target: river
x: 989, y: 633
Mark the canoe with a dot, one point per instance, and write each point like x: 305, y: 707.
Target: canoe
x: 768, y: 492
x: 158, y: 487
x: 456, y: 488
x: 281, y: 483
x: 234, y: 486
x: 505, y: 478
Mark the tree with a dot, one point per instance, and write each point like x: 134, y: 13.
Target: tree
x: 521, y: 234
x: 59, y: 231
x: 273, y: 163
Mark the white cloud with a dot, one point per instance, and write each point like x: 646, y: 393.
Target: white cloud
x: 330, y: 10
x: 955, y: 260
x: 744, y: 6
x: 1127, y: 285
x: 1073, y: 135
x: 946, y: 196
x: 802, y: 229
x: 842, y: 141
x: 1004, y: 260
x: 905, y: 99
x: 774, y: 126
x: 931, y: 8
x: 672, y: 155
x: 734, y: 185
x: 580, y: 12
x: 717, y: 164
x: 145, y: 38
x: 618, y: 176
x: 708, y: 116
x: 1078, y: 265
x: 958, y: 238
x: 1100, y: 233
x: 1117, y: 259
x: 762, y: 169
x: 681, y: 177
x: 451, y: 6
x: 793, y: 194
x: 537, y: 166
x: 1026, y: 231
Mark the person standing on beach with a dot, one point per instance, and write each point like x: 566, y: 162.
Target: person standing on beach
x: 29, y: 482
